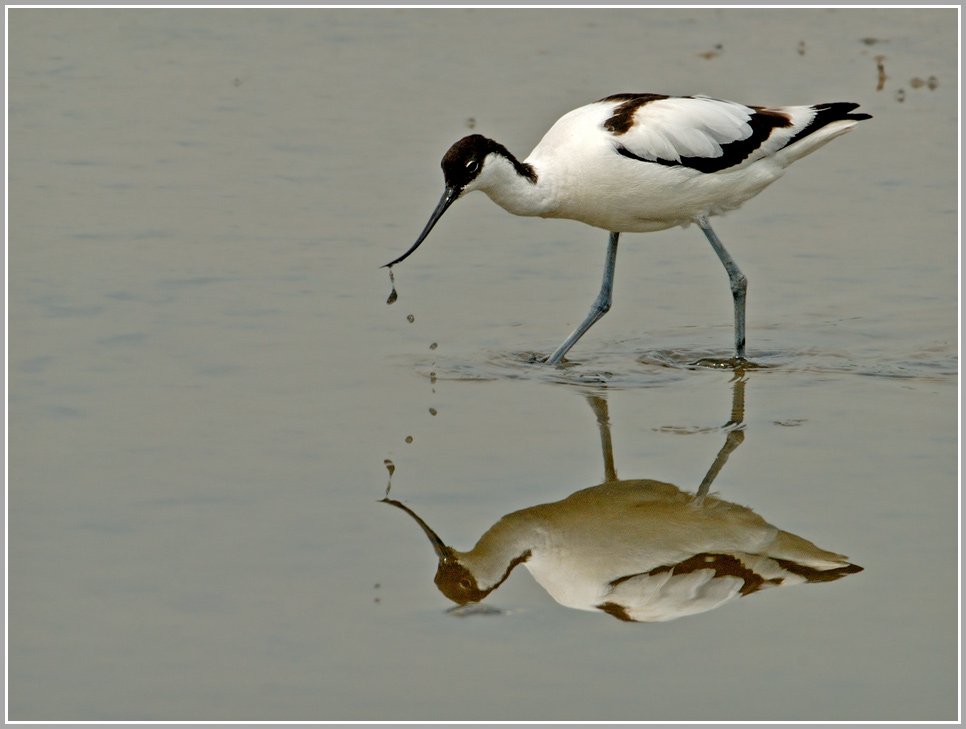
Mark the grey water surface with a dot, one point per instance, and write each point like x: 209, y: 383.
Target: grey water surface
x: 207, y: 388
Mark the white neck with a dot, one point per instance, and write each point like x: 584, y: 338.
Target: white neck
x: 504, y: 543
x: 509, y: 189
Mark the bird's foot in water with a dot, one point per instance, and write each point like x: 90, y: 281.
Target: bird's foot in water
x: 738, y: 364
x: 536, y: 358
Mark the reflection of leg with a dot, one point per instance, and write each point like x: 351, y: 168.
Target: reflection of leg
x: 600, y: 306
x: 737, y: 403
x: 599, y: 406
x: 734, y: 439
x: 739, y: 286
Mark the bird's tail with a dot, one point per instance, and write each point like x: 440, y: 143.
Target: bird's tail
x: 831, y: 120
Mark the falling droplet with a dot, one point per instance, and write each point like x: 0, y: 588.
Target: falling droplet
x: 410, y: 318
x: 391, y: 467
x: 432, y: 346
x: 409, y: 439
x: 432, y: 411
x: 392, y: 282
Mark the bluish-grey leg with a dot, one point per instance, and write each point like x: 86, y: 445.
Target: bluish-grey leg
x: 739, y: 286
x: 600, y: 306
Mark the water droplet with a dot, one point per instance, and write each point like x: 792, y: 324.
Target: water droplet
x: 409, y: 439
x: 391, y: 467
x: 410, y: 318
x: 392, y: 282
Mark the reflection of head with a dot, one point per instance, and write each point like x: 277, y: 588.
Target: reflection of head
x: 459, y: 584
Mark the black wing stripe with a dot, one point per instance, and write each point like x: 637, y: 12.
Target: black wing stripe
x: 762, y: 122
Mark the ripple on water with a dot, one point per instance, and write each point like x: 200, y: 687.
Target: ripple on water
x: 622, y: 368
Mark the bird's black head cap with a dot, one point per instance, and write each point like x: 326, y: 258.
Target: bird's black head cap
x: 464, y: 161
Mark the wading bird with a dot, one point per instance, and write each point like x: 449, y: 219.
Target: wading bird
x: 637, y: 163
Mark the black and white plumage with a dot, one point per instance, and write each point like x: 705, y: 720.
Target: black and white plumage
x: 637, y: 163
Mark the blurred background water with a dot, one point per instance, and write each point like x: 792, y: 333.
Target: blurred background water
x: 205, y: 383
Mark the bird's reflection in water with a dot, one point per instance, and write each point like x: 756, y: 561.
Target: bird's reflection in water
x: 637, y: 549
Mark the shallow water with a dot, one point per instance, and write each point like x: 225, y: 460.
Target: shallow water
x: 206, y: 383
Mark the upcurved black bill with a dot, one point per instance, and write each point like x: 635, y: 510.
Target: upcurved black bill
x: 449, y: 197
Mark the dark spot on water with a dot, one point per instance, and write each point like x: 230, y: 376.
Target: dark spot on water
x: 473, y: 609
x: 880, y: 67
x: 917, y: 83
x: 716, y: 51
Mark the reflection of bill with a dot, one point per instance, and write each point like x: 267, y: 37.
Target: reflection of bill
x: 638, y: 549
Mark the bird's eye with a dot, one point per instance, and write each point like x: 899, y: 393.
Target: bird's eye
x: 472, y: 166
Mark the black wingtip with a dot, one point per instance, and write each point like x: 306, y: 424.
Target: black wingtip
x: 837, y: 110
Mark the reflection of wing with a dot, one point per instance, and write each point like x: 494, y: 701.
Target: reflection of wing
x: 707, y: 581
x: 710, y: 135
